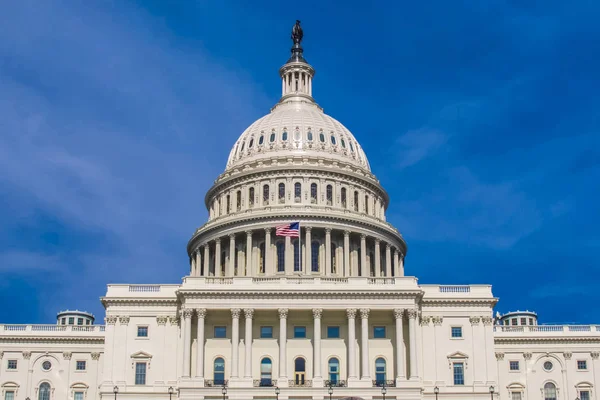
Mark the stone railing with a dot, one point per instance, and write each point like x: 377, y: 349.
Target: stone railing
x: 382, y: 383
x: 338, y: 383
x: 32, y: 330
x: 293, y: 383
x: 144, y: 288
x: 263, y: 383
x: 301, y: 280
x: 217, y: 383
x: 593, y: 329
x: 455, y: 289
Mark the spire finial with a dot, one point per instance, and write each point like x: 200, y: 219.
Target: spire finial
x: 297, y: 35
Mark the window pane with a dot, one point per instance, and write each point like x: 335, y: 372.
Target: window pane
x: 80, y: 366
x: 44, y: 391
x: 314, y: 255
x: 459, y: 377
x: 581, y: 364
x: 514, y: 365
x: 266, y: 332
x: 140, y: 373
x: 549, y: 391
x: 78, y: 396
x: 220, y: 332
x: 584, y: 395
x: 9, y: 396
x: 12, y: 364
x: 516, y: 396
x: 379, y: 332
x: 299, y: 332
x: 456, y: 332
x: 142, y: 331
x: 333, y: 332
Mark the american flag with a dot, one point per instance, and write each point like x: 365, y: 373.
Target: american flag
x: 291, y: 230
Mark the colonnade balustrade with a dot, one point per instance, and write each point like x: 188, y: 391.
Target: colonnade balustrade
x: 320, y: 251
x: 403, y: 369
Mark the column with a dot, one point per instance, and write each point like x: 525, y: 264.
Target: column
x: 351, y: 313
x: 364, y: 268
x: 198, y: 262
x: 327, y: 251
x: 377, y: 258
x: 186, y: 313
x: 412, y: 331
x: 218, y: 257
x: 268, y: 255
x: 235, y: 342
x: 317, y: 312
x: 388, y: 260
x: 232, y: 256
x: 206, y: 260
x: 396, y: 262
x: 364, y: 343
x: 249, y: 313
x: 249, y: 267
x: 398, y: 314
x: 308, y: 244
x: 401, y: 265
x: 283, y: 313
x: 289, y: 256
x: 347, y: 271
x: 193, y: 264
x: 201, y: 313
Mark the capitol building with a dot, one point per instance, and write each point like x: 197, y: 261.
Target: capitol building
x: 297, y: 289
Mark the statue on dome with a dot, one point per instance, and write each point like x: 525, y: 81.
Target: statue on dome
x: 297, y: 33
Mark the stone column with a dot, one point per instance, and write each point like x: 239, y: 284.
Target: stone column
x: 327, y: 251
x: 412, y: 328
x: 396, y: 262
x: 401, y: 265
x: 206, y: 271
x: 364, y: 343
x: 347, y: 271
x: 377, y: 258
x: 198, y: 262
x: 235, y: 342
x: 249, y: 313
x: 364, y: 268
x: 317, y: 312
x: 268, y: 253
x: 186, y: 313
x: 308, y: 244
x: 218, y: 271
x: 249, y: 267
x: 201, y: 313
x: 283, y: 313
x: 388, y: 260
x: 232, y: 256
x: 398, y: 315
x: 351, y: 313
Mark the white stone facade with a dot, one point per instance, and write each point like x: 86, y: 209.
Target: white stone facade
x: 328, y: 314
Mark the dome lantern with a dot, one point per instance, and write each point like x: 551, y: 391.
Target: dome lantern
x: 296, y: 74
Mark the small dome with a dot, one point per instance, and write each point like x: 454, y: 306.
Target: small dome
x: 297, y: 128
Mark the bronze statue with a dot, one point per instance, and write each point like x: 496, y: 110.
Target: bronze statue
x: 297, y: 33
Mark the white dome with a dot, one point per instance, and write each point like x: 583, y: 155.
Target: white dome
x: 297, y: 127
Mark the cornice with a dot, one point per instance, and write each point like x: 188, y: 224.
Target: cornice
x: 460, y: 302
x: 274, y: 296
x: 138, y: 301
x: 546, y: 340
x: 14, y: 339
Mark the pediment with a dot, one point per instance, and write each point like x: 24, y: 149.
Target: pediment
x: 458, y: 354
x: 141, y: 354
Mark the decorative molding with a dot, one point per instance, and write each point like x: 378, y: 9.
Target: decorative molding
x: 364, y: 313
x: 499, y: 356
x: 458, y: 356
x: 95, y: 356
x: 351, y: 313
x: 567, y: 355
x: 317, y: 313
x: 412, y: 313
x: 1, y: 355
x: 162, y: 319
x: 594, y: 355
x: 487, y: 321
x: 474, y: 320
x: 124, y: 319
x: 173, y: 319
x: 201, y: 312
x: 425, y: 320
x: 110, y: 319
x: 283, y: 313
x: 67, y: 355
x: 235, y: 313
x: 398, y: 313
x: 26, y: 355
x: 437, y: 321
x: 186, y: 313
x: 527, y: 356
x: 249, y: 313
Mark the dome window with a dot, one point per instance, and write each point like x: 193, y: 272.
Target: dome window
x: 297, y: 135
x: 282, y: 192
x: 251, y: 197
x: 333, y: 142
x: 351, y: 147
x: 313, y: 193
x: 321, y: 138
x: 266, y: 194
x: 272, y: 138
x: 309, y: 136
x: 343, y: 143
x: 251, y: 143
x: 284, y: 136
x: 297, y: 192
x: 344, y: 197
x: 261, y: 140
x: 242, y: 148
x: 329, y: 191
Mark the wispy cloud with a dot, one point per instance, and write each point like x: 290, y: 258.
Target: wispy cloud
x: 414, y: 146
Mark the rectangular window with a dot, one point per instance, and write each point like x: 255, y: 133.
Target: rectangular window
x: 513, y: 321
x: 79, y: 321
x: 523, y: 321
x: 142, y: 331
x: 12, y: 364
x: 80, y: 366
x: 220, y: 332
x: 9, y: 395
x: 584, y: 395
x: 78, y: 396
x: 299, y: 332
x: 140, y: 373
x: 515, y: 395
x: 581, y: 364
x: 459, y: 373
x: 333, y: 332
x: 530, y: 321
x: 87, y: 322
x: 514, y: 365
x: 456, y: 332
x: 63, y: 321
x: 379, y: 332
x: 71, y: 320
x: 266, y: 332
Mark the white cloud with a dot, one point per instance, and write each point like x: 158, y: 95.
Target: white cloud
x: 417, y: 145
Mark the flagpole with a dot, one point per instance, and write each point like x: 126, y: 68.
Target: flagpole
x: 300, y: 248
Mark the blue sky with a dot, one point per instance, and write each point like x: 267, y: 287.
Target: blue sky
x: 481, y: 119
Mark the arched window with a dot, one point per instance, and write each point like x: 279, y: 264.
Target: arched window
x: 333, y: 258
x: 280, y: 256
x: 549, y: 391
x: 309, y: 136
x: 313, y: 193
x: 272, y: 138
x: 238, y: 200
x: 266, y: 368
x: 314, y: 256
x: 299, y: 370
x: 262, y: 258
x: 44, y: 391
x: 261, y: 140
x: 228, y: 204
x: 296, y: 256
x: 219, y: 371
x: 282, y: 192
x: 297, y: 192
x: 343, y: 143
x: 366, y: 203
x: 266, y: 194
x: 242, y: 148
x: 334, y: 370
x: 297, y: 135
x: 251, y: 143
x: 333, y: 142
x: 251, y: 197
x: 284, y: 136
x: 351, y: 147
x: 344, y: 200
x: 321, y: 137
x: 329, y: 195
x: 380, y: 373
x: 355, y: 200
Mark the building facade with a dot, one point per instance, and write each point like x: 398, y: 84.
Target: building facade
x: 322, y: 311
